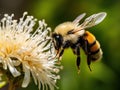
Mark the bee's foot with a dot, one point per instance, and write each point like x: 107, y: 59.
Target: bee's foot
x: 89, y: 68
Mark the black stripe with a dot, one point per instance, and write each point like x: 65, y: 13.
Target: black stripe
x: 92, y: 44
x: 92, y: 53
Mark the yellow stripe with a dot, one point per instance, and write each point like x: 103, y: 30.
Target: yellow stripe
x: 95, y: 47
x: 90, y: 37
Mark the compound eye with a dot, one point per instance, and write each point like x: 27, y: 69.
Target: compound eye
x: 57, y: 36
x: 57, y: 39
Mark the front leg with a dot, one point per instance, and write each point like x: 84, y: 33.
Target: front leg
x: 60, y: 54
x: 65, y: 45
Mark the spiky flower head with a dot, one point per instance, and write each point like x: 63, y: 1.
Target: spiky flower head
x: 24, y: 52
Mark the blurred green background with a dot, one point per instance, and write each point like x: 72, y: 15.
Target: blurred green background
x: 105, y: 74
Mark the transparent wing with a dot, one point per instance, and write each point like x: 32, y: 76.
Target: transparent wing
x: 79, y: 18
x: 88, y: 22
x: 93, y: 20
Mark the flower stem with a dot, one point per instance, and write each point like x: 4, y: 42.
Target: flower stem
x: 11, y: 85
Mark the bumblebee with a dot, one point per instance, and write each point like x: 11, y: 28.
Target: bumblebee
x: 75, y: 36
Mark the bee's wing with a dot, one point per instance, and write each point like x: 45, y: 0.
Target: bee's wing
x: 89, y: 22
x: 93, y: 20
x: 77, y: 19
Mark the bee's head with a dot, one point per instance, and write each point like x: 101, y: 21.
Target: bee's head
x: 57, y: 40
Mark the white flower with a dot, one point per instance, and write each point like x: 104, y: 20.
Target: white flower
x: 21, y: 46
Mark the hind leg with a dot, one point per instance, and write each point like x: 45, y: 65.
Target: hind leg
x: 87, y: 51
x: 89, y: 62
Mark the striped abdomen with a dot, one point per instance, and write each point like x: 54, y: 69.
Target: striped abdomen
x: 92, y: 47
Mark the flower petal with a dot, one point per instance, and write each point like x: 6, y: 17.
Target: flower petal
x: 12, y: 69
x: 26, y: 79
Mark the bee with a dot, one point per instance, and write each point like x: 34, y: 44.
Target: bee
x: 75, y: 36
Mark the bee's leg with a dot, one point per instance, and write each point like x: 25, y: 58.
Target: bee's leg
x: 78, y: 58
x: 89, y: 62
x: 76, y: 50
x: 65, y: 45
x: 60, y: 54
x: 87, y: 50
